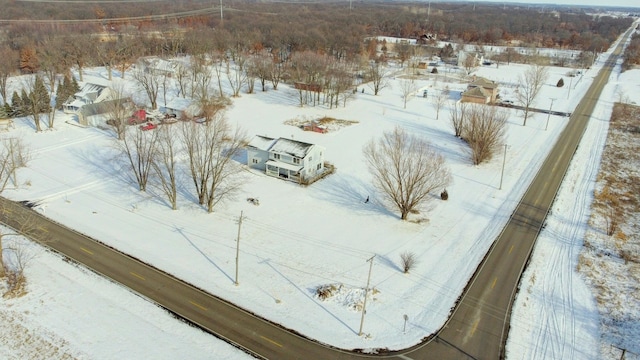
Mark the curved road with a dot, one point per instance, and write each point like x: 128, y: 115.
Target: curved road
x: 477, y: 329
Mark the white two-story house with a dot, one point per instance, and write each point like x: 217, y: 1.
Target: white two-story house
x: 286, y: 158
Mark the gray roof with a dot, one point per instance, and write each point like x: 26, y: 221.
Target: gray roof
x: 292, y: 147
x: 261, y: 142
x: 100, y: 108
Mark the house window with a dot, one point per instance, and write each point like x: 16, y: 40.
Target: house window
x: 319, y: 166
x: 310, y: 158
x: 296, y: 160
x: 276, y: 156
x: 255, y: 161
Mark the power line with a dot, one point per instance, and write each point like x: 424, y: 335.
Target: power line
x: 114, y: 20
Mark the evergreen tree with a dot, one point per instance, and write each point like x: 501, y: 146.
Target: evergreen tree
x: 17, y: 107
x: 40, y: 96
x: 560, y: 83
x: 73, y: 87
x: 25, y: 103
x: 8, y: 110
x: 62, y: 93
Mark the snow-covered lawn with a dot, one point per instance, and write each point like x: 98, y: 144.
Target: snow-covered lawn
x: 300, y: 238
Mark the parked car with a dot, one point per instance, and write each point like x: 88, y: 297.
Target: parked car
x: 148, y: 126
x: 138, y: 117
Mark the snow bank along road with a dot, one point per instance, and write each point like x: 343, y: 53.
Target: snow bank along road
x: 479, y: 326
x: 477, y: 329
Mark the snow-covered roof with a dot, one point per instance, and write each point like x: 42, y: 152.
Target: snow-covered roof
x: 477, y: 92
x: 178, y: 104
x: 292, y: 147
x: 261, y: 142
x: 90, y: 91
x: 485, y: 83
x: 159, y: 64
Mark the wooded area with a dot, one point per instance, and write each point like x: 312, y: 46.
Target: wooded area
x: 76, y: 34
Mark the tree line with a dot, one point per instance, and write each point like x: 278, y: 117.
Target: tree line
x: 283, y: 28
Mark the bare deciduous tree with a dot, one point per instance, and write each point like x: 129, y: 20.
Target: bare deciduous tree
x: 13, y: 155
x: 8, y: 65
x: 530, y: 83
x: 210, y: 148
x: 149, y: 80
x: 405, y: 169
x: 407, y: 261
x: 484, y: 131
x: 408, y: 89
x: 23, y: 222
x: 458, y: 115
x: 201, y: 77
x: 377, y: 76
x: 441, y: 99
x: 259, y: 66
x: 469, y: 63
x: 277, y: 70
x: 120, y: 109
x: 404, y: 51
x: 236, y: 76
x: 165, y: 163
x: 138, y: 148
x: 182, y: 78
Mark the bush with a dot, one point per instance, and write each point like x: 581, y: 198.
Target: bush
x: 560, y: 83
x: 444, y: 195
x: 407, y: 261
x: 434, y: 71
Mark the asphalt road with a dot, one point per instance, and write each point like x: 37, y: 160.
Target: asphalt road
x: 477, y: 329
x: 480, y: 324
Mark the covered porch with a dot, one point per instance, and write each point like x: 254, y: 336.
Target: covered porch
x: 283, y: 170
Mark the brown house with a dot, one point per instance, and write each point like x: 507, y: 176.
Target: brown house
x: 481, y: 91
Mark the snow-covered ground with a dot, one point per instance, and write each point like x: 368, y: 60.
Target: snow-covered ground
x: 300, y: 238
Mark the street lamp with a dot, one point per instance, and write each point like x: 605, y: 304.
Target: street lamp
x: 549, y: 113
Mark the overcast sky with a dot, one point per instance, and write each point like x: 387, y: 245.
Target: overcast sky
x: 625, y: 3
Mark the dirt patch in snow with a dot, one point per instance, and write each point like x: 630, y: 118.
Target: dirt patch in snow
x: 329, y: 124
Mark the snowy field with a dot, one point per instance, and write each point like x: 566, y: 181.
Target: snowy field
x: 300, y: 238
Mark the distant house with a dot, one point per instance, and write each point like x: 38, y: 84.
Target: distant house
x: 481, y: 91
x: 93, y: 91
x: 156, y: 65
x: 286, y: 158
x: 182, y: 108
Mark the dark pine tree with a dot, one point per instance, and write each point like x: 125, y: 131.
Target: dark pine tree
x: 17, y: 107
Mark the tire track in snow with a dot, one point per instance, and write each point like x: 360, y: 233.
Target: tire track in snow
x: 556, y: 334
x: 72, y: 142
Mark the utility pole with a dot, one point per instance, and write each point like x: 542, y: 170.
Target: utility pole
x: 238, y: 247
x: 570, y: 83
x: 13, y: 161
x: 366, y: 292
x: 221, y: 15
x: 504, y: 159
x: 549, y: 113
